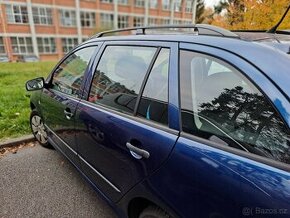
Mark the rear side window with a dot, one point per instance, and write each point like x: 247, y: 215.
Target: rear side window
x: 154, y: 101
x: 69, y: 75
x: 218, y: 103
x: 119, y: 76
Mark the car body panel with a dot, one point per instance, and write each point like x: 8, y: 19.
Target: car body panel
x: 53, y: 105
x: 60, y: 129
x: 102, y: 135
x: 218, y: 183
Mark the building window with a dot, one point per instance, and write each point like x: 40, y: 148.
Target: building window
x: 166, y: 4
x: 42, y: 15
x: 68, y: 44
x: 177, y: 5
x: 177, y: 21
x: 46, y: 45
x: 123, y: 2
x: 85, y: 39
x: 138, y: 21
x: 123, y: 21
x: 2, y: 46
x: 88, y: 19
x: 22, y: 45
x: 139, y: 3
x: 166, y: 21
x: 107, y: 1
x: 67, y: 18
x: 188, y: 6
x: 107, y: 20
x: 153, y: 4
x: 152, y: 21
x: 16, y: 14
x: 187, y: 21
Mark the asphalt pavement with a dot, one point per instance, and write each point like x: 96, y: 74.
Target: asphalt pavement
x: 40, y: 182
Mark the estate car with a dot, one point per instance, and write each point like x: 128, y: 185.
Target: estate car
x: 178, y: 121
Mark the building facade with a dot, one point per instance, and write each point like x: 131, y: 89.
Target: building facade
x: 50, y: 28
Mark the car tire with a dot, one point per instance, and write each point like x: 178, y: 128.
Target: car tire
x: 38, y: 129
x: 153, y: 212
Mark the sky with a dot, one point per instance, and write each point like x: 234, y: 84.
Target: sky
x: 211, y: 2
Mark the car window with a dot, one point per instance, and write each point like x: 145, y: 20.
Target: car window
x: 68, y: 77
x: 154, y: 101
x: 218, y: 103
x: 119, y: 76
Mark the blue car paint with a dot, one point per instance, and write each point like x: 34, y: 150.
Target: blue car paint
x: 208, y: 181
x: 196, y: 178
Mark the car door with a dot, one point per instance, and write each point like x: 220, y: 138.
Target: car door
x: 232, y: 156
x: 123, y: 130
x: 61, y: 96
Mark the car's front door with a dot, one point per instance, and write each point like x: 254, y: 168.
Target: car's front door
x: 123, y: 130
x: 59, y: 100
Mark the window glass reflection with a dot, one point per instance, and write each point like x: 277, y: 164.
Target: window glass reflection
x: 154, y: 102
x: 220, y: 104
x: 69, y: 75
x: 119, y: 76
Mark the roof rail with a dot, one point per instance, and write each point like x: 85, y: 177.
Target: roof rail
x: 202, y: 29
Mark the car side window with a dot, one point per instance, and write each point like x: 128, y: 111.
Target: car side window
x: 218, y: 103
x: 68, y: 77
x: 119, y: 76
x: 154, y: 101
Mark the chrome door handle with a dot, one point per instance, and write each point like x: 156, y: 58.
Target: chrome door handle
x: 68, y: 114
x: 140, y: 152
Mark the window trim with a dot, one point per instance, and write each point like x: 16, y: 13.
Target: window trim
x: 216, y: 53
x: 240, y: 153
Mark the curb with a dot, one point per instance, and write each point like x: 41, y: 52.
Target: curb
x: 17, y: 141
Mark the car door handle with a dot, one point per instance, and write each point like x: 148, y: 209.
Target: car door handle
x: 68, y: 114
x: 140, y: 152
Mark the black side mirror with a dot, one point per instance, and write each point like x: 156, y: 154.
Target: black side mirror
x: 35, y: 84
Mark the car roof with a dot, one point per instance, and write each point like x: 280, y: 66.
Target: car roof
x: 273, y: 62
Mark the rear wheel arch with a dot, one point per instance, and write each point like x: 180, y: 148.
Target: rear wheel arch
x: 139, y: 204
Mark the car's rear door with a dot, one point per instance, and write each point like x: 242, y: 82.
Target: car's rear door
x: 123, y: 130
x: 232, y: 157
x: 61, y: 96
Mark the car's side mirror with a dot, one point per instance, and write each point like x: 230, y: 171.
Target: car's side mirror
x: 35, y: 84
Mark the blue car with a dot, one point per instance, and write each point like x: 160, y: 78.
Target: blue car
x: 194, y: 124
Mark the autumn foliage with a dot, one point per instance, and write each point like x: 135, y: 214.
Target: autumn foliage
x: 250, y: 14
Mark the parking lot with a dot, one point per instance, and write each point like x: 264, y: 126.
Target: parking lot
x: 39, y: 182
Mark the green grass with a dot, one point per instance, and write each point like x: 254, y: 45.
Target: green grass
x: 14, y: 104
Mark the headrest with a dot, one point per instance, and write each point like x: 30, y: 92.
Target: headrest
x: 216, y: 83
x: 130, y: 67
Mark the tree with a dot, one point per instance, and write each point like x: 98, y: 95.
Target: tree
x: 249, y: 118
x: 200, y: 11
x: 250, y: 14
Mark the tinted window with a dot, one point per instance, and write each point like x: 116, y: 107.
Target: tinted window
x: 69, y: 75
x: 220, y: 104
x: 119, y: 76
x: 154, y: 101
